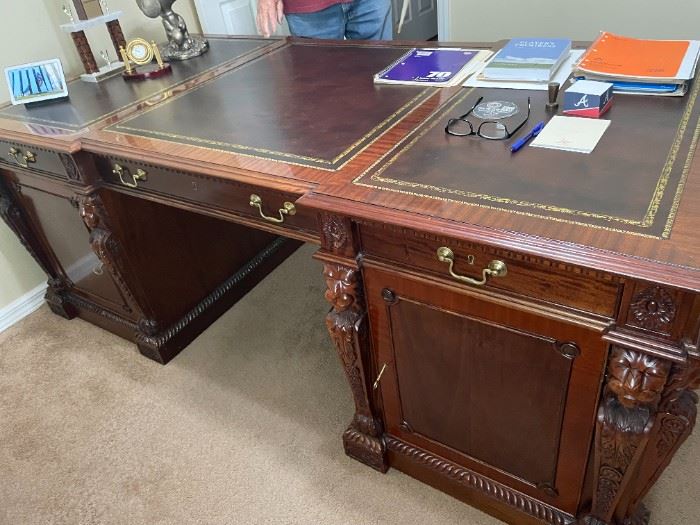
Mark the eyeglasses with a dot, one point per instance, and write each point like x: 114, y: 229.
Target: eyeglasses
x: 488, y: 129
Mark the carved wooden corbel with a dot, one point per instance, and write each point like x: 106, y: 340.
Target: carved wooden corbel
x: 347, y: 325
x: 625, y: 420
x: 106, y: 246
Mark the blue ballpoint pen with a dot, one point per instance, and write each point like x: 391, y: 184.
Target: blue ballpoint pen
x: 522, y: 141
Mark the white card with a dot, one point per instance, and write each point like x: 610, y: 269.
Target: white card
x: 571, y: 134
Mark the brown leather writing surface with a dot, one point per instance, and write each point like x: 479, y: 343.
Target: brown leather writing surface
x: 89, y: 102
x: 632, y: 182
x: 314, y: 105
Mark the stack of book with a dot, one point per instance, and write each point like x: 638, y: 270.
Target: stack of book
x: 441, y: 67
x: 642, y: 67
x: 527, y: 60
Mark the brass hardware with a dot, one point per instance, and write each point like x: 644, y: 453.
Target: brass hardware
x: 495, y: 268
x: 24, y: 160
x: 288, y: 208
x: 140, y: 175
x: 388, y: 295
x: 379, y: 377
x: 569, y: 350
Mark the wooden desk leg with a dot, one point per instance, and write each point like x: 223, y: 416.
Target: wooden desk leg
x: 626, y: 419
x: 347, y: 324
x: 13, y: 216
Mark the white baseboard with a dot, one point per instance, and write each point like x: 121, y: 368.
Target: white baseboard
x: 22, y: 307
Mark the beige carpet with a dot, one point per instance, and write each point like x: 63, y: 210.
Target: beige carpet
x: 243, y: 427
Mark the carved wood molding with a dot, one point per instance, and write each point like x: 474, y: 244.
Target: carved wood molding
x: 635, y: 383
x: 152, y: 335
x: 472, y: 480
x: 347, y: 325
x: 99, y: 310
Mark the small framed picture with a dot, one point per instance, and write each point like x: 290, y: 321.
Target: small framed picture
x: 36, y: 82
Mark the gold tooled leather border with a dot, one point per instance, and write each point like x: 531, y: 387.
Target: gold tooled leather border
x: 646, y: 222
x: 334, y: 164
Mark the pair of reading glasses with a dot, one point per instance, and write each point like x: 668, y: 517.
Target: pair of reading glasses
x: 488, y: 129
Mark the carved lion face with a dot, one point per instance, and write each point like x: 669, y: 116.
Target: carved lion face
x: 637, y: 378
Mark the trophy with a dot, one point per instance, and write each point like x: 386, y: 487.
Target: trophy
x: 85, y: 14
x: 181, y: 45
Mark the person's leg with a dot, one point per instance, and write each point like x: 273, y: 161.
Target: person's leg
x: 327, y: 23
x: 369, y: 20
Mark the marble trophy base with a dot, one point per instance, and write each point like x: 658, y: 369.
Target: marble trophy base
x: 170, y: 51
x: 105, y: 72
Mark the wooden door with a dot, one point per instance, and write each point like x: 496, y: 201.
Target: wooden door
x: 420, y: 22
x: 230, y: 17
x: 509, y: 392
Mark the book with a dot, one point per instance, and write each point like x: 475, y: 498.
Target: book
x: 528, y: 59
x: 623, y: 58
x: 446, y: 66
x: 580, y: 135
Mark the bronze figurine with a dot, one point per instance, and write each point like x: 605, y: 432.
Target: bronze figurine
x: 181, y: 45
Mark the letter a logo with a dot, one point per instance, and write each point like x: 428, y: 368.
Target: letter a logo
x: 583, y: 101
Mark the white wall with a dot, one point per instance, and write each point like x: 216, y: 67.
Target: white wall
x: 29, y: 30
x: 478, y: 20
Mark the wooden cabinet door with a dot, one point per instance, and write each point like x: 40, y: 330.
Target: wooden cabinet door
x: 500, y: 387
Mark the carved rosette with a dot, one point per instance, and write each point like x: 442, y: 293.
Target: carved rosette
x: 626, y: 417
x: 346, y: 324
x: 336, y: 234
x: 653, y: 309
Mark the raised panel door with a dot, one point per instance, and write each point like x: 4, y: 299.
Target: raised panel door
x: 502, y: 389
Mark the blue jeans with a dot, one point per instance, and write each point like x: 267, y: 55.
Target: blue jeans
x: 359, y: 20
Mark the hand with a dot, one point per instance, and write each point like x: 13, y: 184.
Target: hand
x: 270, y: 14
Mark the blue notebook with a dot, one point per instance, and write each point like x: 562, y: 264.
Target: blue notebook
x: 528, y: 59
x: 431, y: 66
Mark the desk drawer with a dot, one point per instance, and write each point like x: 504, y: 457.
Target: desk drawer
x: 528, y: 276
x: 211, y: 193
x: 16, y: 154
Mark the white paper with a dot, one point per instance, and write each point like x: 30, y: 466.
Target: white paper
x: 576, y: 134
x: 560, y: 76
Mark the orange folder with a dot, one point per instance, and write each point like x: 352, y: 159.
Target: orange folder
x: 621, y: 56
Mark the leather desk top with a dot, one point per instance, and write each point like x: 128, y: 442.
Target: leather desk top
x: 302, y: 104
x: 90, y: 103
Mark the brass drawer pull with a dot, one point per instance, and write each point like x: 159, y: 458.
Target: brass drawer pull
x: 140, y: 175
x: 24, y: 160
x: 287, y: 208
x: 495, y: 268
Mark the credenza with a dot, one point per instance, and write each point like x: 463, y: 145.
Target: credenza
x: 521, y: 330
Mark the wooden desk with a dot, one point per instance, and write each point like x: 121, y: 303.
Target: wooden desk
x: 557, y: 391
